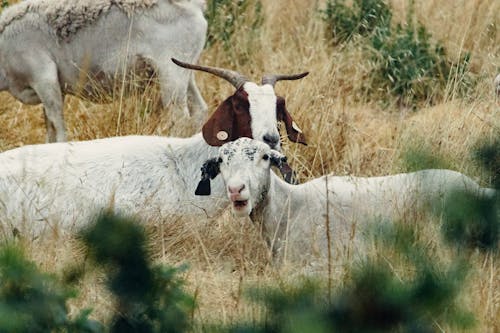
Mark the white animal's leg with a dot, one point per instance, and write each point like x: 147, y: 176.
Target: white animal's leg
x: 174, y: 84
x: 196, y: 103
x: 46, y: 86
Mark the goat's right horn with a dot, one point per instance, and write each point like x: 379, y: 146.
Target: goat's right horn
x: 235, y: 78
x: 273, y: 78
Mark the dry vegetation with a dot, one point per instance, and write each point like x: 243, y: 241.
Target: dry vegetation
x: 347, y: 134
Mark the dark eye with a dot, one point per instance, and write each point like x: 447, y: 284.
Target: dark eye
x: 219, y: 160
x: 265, y: 157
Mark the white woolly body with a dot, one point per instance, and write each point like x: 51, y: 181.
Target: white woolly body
x: 294, y: 216
x: 65, y: 185
x: 67, y: 16
x: 50, y: 48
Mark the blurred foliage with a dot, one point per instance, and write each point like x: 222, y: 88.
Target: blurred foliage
x: 487, y: 153
x: 5, y: 3
x: 227, y: 17
x: 31, y: 301
x: 408, y: 65
x: 149, y: 298
x: 375, y: 299
x: 472, y: 219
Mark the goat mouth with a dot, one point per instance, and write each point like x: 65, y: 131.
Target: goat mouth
x: 240, y: 204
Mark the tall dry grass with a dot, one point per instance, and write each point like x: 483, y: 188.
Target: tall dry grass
x: 347, y: 134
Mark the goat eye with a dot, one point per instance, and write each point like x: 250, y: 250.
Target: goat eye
x: 219, y: 160
x: 265, y: 157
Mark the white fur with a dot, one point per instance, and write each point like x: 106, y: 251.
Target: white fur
x: 63, y: 186
x: 294, y: 216
x: 262, y: 100
x: 68, y: 16
x: 50, y: 48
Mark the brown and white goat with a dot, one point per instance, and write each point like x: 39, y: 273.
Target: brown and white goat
x: 148, y: 177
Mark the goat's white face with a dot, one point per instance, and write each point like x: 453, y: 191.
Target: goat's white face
x: 245, y: 168
x: 262, y: 101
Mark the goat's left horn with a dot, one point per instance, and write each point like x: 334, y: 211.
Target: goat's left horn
x: 273, y: 78
x: 235, y: 78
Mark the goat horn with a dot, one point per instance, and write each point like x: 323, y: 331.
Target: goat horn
x: 235, y: 78
x: 273, y: 78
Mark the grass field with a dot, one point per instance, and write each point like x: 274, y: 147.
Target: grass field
x: 348, y: 133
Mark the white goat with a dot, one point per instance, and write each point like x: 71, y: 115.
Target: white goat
x: 295, y: 215
x: 66, y: 184
x: 50, y: 48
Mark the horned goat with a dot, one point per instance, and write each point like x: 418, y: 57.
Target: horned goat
x: 65, y: 185
x: 51, y: 48
x: 293, y: 216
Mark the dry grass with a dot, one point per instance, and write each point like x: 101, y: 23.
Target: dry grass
x: 345, y: 137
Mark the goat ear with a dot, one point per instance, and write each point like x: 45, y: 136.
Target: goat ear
x: 230, y: 121
x: 276, y: 158
x: 293, y: 131
x: 203, y: 187
x: 288, y: 174
x: 209, y: 170
x: 219, y: 127
x: 280, y: 161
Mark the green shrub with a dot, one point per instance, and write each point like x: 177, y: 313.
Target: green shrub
x: 31, y: 301
x: 410, y: 67
x: 471, y: 221
x: 407, y: 64
x: 227, y: 17
x: 149, y: 298
x: 362, y: 18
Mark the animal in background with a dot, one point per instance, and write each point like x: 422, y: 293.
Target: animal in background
x: 52, y: 48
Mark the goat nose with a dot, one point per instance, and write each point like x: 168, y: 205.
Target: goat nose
x: 236, y: 189
x: 271, y: 139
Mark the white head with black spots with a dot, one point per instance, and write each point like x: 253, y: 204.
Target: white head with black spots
x: 245, y: 166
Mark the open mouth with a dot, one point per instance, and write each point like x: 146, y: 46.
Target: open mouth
x: 239, y: 204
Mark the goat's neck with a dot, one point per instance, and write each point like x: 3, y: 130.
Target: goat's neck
x: 286, y: 204
x: 189, y: 155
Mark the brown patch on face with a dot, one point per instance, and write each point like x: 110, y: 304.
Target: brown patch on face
x: 230, y: 121
x: 293, y: 131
